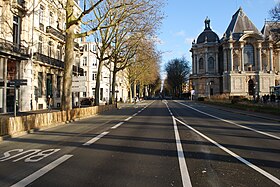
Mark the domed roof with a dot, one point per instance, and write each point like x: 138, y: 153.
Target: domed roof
x: 207, y: 35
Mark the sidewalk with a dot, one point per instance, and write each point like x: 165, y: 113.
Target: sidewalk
x: 247, y: 112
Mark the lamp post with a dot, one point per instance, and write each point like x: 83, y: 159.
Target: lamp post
x: 117, y: 91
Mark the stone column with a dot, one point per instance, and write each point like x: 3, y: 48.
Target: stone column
x: 225, y: 60
x: 5, y: 84
x: 278, y: 60
x: 217, y: 63
x: 260, y: 57
x: 193, y: 64
x: 270, y: 58
x: 242, y: 56
x: 206, y: 62
x: 197, y: 65
x: 230, y: 57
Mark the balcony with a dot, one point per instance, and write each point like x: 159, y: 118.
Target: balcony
x: 55, y: 32
x: 13, y: 49
x: 49, y: 60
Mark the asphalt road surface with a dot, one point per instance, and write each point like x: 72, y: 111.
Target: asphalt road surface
x: 153, y: 143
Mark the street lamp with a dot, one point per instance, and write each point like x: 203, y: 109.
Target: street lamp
x: 117, y: 91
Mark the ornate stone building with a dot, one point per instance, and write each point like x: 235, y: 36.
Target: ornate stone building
x: 244, y: 62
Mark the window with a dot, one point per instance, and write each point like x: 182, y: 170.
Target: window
x: 211, y: 64
x: 85, y: 61
x: 50, y: 49
x: 51, y: 20
x: 40, y: 44
x: 58, y: 86
x: 58, y: 52
x: 249, y: 54
x: 40, y: 84
x: 94, y: 76
x: 85, y: 47
x: 93, y: 48
x: 84, y: 94
x: 201, y: 64
x: 16, y: 30
x: 41, y: 17
x: 94, y: 62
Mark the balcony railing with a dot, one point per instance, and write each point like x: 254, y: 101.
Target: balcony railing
x: 11, y: 47
x: 49, y: 60
x: 55, y: 32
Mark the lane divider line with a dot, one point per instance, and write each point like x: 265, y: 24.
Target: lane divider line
x: 116, y: 126
x: 251, y: 165
x: 42, y: 171
x: 95, y: 138
x: 227, y: 121
x: 129, y: 118
x: 180, y: 152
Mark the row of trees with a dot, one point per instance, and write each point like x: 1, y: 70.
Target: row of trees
x: 122, y: 30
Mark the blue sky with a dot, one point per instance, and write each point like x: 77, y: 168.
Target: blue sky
x: 185, y: 21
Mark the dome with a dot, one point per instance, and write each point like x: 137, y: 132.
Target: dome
x: 207, y: 35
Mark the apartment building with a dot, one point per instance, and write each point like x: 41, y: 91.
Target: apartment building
x: 89, y: 63
x: 32, y: 43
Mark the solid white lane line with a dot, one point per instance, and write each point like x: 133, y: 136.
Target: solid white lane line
x: 251, y: 165
x: 116, y: 126
x: 41, y: 172
x: 227, y: 121
x: 127, y: 119
x: 181, y: 157
x: 96, y: 138
x: 180, y: 152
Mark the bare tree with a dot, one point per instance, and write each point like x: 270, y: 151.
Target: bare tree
x: 139, y: 26
x: 274, y: 25
x: 275, y: 13
x: 86, y: 17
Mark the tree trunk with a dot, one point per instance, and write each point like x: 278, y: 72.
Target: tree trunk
x: 113, y: 86
x: 66, y: 99
x: 98, y: 79
x: 134, y: 89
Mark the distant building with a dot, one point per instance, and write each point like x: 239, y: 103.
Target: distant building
x: 89, y: 63
x: 244, y: 62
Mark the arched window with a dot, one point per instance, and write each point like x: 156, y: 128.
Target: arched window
x: 211, y: 64
x: 249, y: 54
x: 201, y: 64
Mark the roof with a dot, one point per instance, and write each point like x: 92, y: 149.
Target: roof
x: 239, y: 24
x: 271, y: 28
x: 207, y: 35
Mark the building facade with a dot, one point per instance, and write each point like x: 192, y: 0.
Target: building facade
x: 32, y: 43
x: 89, y: 63
x: 244, y: 62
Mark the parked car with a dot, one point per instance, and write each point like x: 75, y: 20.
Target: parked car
x: 87, y: 101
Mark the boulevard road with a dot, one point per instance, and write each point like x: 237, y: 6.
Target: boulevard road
x: 153, y: 143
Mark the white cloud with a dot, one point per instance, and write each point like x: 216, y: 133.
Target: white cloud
x: 157, y: 40
x: 189, y: 41
x: 180, y: 33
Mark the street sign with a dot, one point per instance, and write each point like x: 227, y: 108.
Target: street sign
x: 79, y: 78
x: 79, y: 88
x: 17, y: 82
x: 79, y: 84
